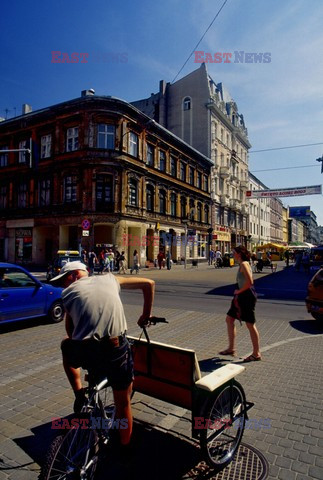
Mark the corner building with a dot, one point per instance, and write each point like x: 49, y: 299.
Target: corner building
x: 204, y: 115
x: 102, y: 160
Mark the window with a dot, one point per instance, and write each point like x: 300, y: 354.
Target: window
x: 22, y: 157
x: 199, y: 180
x: 199, y: 212
x: 162, y: 161
x: 206, y: 183
x: 187, y: 103
x: 191, y: 180
x: 106, y: 136
x: 45, y: 146
x: 22, y: 195
x: 150, y: 155
x: 133, y: 193
x: 70, y: 189
x: 183, y: 207
x: 104, y: 184
x: 44, y: 192
x: 183, y: 172
x: 206, y: 214
x: 133, y: 144
x: 72, y: 139
x: 173, y: 201
x: 162, y: 201
x: 3, y: 197
x: 150, y: 198
x: 3, y: 157
x: 173, y: 167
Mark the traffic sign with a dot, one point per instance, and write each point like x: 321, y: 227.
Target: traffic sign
x: 86, y: 224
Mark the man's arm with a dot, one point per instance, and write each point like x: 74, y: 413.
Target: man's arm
x: 69, y: 327
x: 148, y: 289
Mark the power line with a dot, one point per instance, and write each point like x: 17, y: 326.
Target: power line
x: 284, y: 168
x: 208, y: 28
x: 284, y: 148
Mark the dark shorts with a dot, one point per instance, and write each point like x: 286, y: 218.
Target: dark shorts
x: 101, y: 359
x: 243, y: 306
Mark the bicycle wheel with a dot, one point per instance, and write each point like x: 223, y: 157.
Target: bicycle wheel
x: 107, y: 408
x: 224, y: 423
x: 72, y: 456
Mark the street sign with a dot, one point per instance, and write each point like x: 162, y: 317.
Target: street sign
x: 285, y: 192
x: 86, y: 224
x: 85, y: 233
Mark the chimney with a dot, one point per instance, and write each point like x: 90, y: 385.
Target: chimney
x: 26, y: 108
x: 88, y: 93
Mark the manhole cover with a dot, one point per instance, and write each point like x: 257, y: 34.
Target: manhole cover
x: 248, y: 464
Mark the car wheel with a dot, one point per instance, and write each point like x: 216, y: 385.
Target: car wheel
x: 317, y: 316
x: 56, y: 312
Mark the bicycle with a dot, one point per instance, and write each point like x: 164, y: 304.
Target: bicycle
x: 75, y: 455
x: 217, y: 402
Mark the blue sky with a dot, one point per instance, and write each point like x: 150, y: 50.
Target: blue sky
x: 132, y: 45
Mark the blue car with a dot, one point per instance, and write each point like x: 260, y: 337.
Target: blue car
x: 22, y: 296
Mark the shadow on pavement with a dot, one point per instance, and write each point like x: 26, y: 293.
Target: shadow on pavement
x: 312, y: 327
x: 210, y: 364
x: 284, y: 284
x: 23, y: 324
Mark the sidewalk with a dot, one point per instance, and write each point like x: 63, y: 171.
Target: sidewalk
x: 286, y: 388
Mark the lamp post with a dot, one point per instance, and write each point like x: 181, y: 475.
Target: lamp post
x: 185, y: 221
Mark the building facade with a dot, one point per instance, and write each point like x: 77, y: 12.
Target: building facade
x: 204, y: 115
x: 305, y: 215
x: 259, y: 215
x: 101, y: 173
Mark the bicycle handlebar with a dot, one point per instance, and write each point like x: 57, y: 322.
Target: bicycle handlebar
x: 155, y: 320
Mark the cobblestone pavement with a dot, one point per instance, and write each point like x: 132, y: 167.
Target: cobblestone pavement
x: 286, y: 388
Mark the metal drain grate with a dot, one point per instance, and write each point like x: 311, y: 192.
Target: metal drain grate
x: 248, y: 464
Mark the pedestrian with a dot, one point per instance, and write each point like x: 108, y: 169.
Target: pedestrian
x: 92, y: 259
x: 211, y: 257
x: 243, y: 306
x: 168, y: 260
x: 160, y: 259
x: 218, y: 259
x: 286, y: 255
x: 111, y: 259
x: 298, y: 260
x: 101, y: 261
x: 96, y: 333
x: 136, y: 264
x: 122, y: 263
x: 84, y: 256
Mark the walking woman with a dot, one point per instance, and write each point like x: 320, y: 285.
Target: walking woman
x: 243, y: 306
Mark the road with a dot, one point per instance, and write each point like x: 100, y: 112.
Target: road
x: 285, y: 387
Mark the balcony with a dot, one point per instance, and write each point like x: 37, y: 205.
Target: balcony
x: 244, y: 184
x: 224, y: 172
x: 224, y: 200
x: 244, y: 210
x: 235, y: 204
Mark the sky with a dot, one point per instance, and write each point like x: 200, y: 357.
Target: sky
x: 128, y: 47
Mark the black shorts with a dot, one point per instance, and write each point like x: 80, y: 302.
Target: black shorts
x: 243, y: 306
x: 101, y: 359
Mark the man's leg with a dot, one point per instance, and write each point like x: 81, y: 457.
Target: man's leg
x: 73, y: 375
x: 123, y: 411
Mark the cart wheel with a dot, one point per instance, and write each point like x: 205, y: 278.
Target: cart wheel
x: 225, y: 418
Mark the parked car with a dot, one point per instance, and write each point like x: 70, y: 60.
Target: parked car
x: 63, y: 256
x: 314, y: 299
x: 22, y: 296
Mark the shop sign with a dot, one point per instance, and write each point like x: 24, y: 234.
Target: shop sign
x: 223, y: 236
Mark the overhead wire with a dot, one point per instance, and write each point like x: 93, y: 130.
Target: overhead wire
x: 284, y: 148
x: 208, y: 28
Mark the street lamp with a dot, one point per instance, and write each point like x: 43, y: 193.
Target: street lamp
x: 185, y: 221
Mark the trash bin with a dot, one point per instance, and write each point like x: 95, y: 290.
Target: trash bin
x: 194, y: 263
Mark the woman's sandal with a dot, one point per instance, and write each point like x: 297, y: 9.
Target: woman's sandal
x: 251, y: 358
x: 228, y: 352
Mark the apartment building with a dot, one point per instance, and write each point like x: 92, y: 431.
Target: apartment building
x: 101, y: 173
x: 203, y: 114
x: 259, y: 215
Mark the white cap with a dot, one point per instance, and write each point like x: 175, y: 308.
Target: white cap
x: 68, y: 267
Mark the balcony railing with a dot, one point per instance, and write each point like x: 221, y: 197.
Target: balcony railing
x: 224, y: 172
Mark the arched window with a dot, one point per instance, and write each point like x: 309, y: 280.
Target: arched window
x: 187, y: 103
x: 162, y: 201
x: 150, y: 198
x: 173, y: 201
x: 133, y: 192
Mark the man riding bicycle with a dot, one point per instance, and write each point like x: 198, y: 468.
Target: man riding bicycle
x: 96, y: 332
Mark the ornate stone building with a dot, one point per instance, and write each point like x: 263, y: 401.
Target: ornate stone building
x: 203, y: 113
x: 100, y: 159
